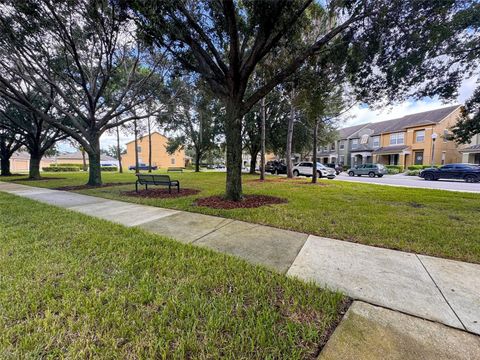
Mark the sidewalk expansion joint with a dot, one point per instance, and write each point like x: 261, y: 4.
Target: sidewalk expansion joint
x: 221, y: 225
x: 441, y: 292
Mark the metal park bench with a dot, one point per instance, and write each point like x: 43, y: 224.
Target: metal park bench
x: 155, y: 179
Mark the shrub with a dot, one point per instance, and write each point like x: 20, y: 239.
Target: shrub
x: 61, y: 169
x: 415, y: 167
x: 67, y: 165
x: 414, y: 172
x: 420, y: 167
x: 394, y: 169
x: 109, y: 168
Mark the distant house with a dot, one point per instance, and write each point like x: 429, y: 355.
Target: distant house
x: 404, y: 141
x: 77, y: 158
x: 160, y: 156
x: 20, y: 161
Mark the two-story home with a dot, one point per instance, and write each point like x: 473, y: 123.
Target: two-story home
x: 160, y: 156
x: 419, y: 139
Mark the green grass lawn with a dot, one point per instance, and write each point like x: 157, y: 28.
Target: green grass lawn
x: 72, y: 286
x: 433, y: 222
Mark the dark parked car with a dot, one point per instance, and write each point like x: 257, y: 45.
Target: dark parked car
x: 275, y: 167
x: 142, y: 167
x: 467, y: 172
x: 338, y: 168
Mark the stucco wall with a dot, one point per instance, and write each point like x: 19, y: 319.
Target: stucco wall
x: 160, y: 157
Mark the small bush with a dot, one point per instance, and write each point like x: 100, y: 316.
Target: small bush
x: 109, y: 168
x: 80, y: 166
x: 415, y: 172
x: 61, y: 169
x: 420, y: 167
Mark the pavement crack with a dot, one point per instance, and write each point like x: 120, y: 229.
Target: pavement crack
x: 441, y: 292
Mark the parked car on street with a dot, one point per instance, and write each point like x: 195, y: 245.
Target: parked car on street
x: 142, y: 167
x: 371, y: 170
x: 468, y: 172
x: 306, y: 168
x: 338, y: 168
x: 275, y: 167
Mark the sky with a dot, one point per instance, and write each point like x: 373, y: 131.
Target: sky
x: 357, y: 115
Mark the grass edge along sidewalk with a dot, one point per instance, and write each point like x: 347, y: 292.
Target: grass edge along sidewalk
x: 73, y: 285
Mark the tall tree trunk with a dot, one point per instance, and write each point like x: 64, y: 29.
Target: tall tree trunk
x: 135, y: 130
x: 198, y: 157
x: 262, y: 141
x: 314, y: 156
x: 288, y: 154
x: 119, y: 152
x: 149, y: 146
x: 34, y: 167
x: 94, y: 167
x: 5, y: 164
x: 253, y: 161
x: 233, y: 135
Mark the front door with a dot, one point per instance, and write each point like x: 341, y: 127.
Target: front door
x: 418, y: 157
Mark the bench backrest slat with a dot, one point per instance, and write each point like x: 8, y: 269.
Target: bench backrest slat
x: 152, y: 178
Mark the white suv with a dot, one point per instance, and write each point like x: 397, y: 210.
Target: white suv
x: 306, y: 168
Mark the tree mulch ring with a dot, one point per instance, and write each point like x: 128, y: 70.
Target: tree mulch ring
x: 248, y: 202
x: 85, y: 186
x: 161, y: 193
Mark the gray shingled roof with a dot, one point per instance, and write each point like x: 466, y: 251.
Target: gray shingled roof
x: 423, y: 118
x: 390, y: 149
x: 345, y: 133
x: 472, y: 148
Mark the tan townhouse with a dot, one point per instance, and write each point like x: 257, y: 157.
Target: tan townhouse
x: 160, y: 157
x: 417, y: 139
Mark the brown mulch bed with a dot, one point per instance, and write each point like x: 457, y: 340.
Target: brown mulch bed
x: 161, y: 193
x: 84, y: 187
x: 248, y: 201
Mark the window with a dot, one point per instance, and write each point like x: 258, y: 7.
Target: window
x: 419, y: 136
x: 139, y: 149
x: 172, y: 160
x: 443, y: 157
x: 396, y: 139
x: 364, y: 139
x: 332, y: 146
x: 354, y: 143
x: 342, y: 145
x: 342, y: 159
x: 376, y: 141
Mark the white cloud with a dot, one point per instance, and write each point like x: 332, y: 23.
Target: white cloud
x: 364, y: 114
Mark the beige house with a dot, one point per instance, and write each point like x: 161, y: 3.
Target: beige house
x: 20, y: 162
x: 160, y: 157
x: 471, y: 152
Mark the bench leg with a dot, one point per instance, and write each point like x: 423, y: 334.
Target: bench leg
x: 146, y: 186
x: 169, y: 188
x: 178, y: 188
x: 136, y: 186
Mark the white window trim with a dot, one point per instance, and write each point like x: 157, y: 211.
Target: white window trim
x: 416, y: 136
x: 394, y: 138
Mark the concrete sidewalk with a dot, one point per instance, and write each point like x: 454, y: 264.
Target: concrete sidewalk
x: 431, y: 288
